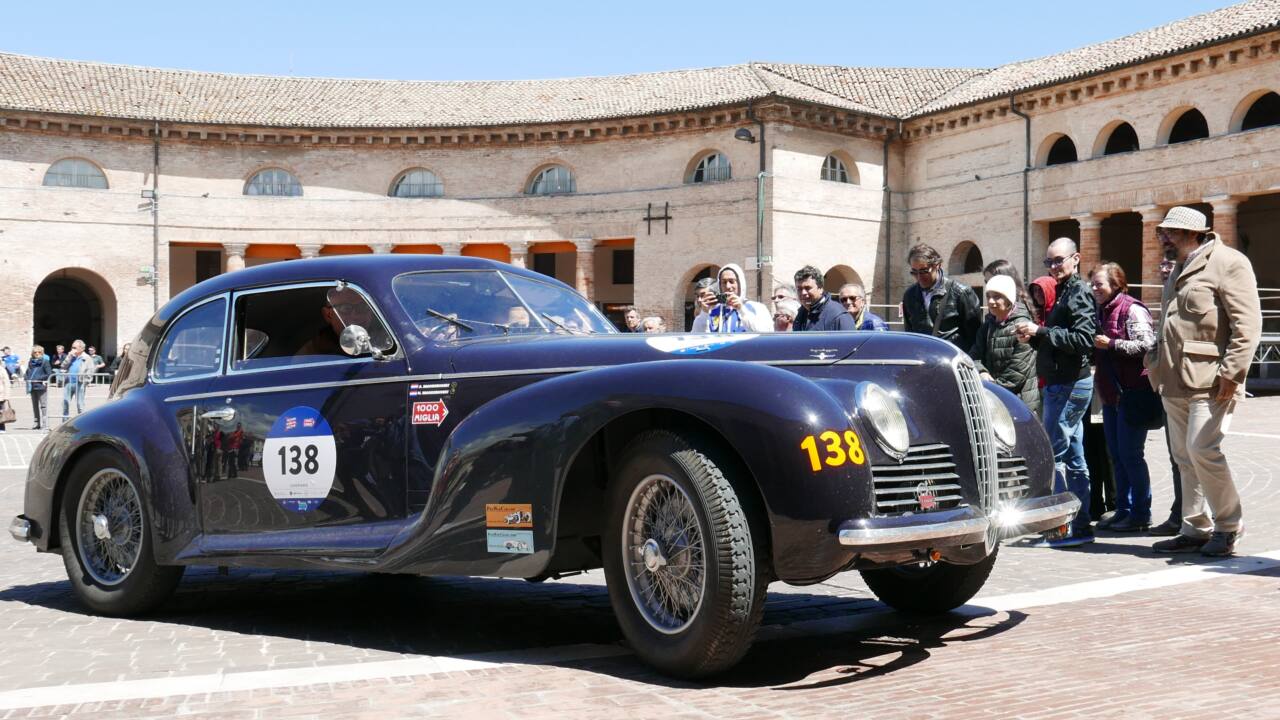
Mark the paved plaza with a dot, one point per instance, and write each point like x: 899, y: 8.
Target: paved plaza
x: 1108, y: 630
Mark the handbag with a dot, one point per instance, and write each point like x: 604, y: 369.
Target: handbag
x: 1140, y: 407
x: 8, y: 415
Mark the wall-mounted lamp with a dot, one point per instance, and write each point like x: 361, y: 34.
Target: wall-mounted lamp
x: 744, y: 134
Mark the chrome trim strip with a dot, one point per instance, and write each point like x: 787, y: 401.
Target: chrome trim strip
x: 903, y: 363
x: 913, y: 533
x: 791, y: 362
x: 381, y: 380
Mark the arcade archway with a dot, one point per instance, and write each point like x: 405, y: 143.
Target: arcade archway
x: 74, y: 303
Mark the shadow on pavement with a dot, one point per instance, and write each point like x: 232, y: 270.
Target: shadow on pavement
x: 506, y: 619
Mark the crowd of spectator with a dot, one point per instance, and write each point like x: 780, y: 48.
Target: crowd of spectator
x: 74, y: 370
x: 1071, y: 340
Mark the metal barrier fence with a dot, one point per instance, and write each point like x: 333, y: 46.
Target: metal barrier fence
x: 92, y: 392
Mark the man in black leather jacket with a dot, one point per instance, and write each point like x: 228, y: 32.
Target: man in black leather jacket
x: 1064, y: 345
x: 937, y: 305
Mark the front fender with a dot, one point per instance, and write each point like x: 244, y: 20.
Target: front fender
x: 519, y: 447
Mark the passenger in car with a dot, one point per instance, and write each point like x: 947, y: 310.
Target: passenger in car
x: 344, y: 307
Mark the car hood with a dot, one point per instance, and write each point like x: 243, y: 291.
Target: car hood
x: 530, y: 352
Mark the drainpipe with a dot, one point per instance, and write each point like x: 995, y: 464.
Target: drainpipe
x: 155, y: 220
x: 751, y: 115
x: 888, y: 210
x: 1026, y: 193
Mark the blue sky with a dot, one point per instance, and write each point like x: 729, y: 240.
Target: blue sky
x: 561, y: 38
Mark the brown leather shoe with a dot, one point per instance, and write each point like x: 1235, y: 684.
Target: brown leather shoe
x: 1222, y: 544
x: 1180, y: 544
x: 1165, y: 529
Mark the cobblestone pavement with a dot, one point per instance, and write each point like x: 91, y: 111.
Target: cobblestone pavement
x: 1107, y: 630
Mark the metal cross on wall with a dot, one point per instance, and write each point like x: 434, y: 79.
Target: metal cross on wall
x: 665, y: 217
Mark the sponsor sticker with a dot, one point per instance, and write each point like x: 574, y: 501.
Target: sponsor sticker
x: 507, y: 515
x: 428, y: 412
x: 519, y: 542
x: 299, y: 459
x: 696, y: 344
x: 419, y: 390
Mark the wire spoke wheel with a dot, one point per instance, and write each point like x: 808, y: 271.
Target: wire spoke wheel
x: 108, y: 523
x: 664, y: 554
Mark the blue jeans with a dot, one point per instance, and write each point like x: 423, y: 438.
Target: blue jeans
x: 1126, y: 442
x: 1064, y: 409
x: 73, y: 388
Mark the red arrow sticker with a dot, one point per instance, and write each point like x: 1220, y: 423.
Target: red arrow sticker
x: 432, y: 412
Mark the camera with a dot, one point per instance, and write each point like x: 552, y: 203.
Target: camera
x: 721, y: 298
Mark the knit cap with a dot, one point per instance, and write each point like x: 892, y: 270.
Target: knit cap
x: 1003, y: 285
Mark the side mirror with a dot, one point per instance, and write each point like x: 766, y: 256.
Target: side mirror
x: 354, y: 341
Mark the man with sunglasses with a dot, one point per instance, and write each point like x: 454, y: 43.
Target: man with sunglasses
x: 853, y: 297
x: 1064, y: 345
x: 1210, y: 325
x: 937, y: 305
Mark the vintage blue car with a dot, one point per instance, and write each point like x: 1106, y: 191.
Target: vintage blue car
x: 454, y: 415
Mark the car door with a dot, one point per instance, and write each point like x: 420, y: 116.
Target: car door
x: 297, y: 436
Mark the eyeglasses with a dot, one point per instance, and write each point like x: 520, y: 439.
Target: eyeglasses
x: 849, y: 299
x: 917, y: 272
x: 1057, y: 262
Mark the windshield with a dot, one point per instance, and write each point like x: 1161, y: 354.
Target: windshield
x: 460, y: 305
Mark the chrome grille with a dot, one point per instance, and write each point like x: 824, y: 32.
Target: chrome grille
x: 1012, y: 478
x: 982, y: 440
x: 898, y: 486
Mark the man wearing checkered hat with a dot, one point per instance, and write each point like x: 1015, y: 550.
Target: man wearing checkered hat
x: 1210, y: 325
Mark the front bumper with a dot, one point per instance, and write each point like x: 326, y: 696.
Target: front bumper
x: 961, y: 526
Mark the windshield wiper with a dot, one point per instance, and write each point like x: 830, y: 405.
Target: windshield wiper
x: 450, y: 319
x: 562, y: 326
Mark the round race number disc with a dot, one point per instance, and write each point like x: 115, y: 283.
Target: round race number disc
x: 299, y: 459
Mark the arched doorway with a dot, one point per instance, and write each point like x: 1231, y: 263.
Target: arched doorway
x: 71, y: 304
x: 685, y: 293
x: 839, y: 276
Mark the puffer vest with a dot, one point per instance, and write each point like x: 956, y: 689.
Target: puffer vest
x: 1113, y: 321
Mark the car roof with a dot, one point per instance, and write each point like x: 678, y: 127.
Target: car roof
x: 371, y: 272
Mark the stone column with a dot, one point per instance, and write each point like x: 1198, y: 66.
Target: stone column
x: 584, y: 275
x: 1224, y: 218
x: 519, y: 253
x: 1090, y: 240
x: 1152, y: 254
x: 309, y: 250
x: 235, y: 255
x: 452, y: 247
x: 382, y: 248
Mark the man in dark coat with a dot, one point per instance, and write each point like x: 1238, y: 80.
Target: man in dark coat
x: 1064, y: 346
x: 937, y: 305
x: 817, y: 311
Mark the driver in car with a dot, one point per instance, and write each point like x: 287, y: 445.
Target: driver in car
x: 343, y: 307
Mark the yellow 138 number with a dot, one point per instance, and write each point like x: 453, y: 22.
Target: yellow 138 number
x: 837, y: 453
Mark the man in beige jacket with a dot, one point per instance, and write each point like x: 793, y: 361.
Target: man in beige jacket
x: 1210, y: 325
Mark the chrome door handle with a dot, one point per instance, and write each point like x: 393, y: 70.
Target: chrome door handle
x: 223, y: 414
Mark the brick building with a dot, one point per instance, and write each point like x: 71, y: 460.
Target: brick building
x: 631, y: 186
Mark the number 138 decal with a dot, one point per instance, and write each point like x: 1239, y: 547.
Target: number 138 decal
x: 837, y: 449
x: 299, y: 459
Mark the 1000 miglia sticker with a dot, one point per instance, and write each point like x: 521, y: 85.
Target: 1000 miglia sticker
x: 299, y: 459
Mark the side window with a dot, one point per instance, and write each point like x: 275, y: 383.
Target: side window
x: 296, y: 326
x: 193, y: 346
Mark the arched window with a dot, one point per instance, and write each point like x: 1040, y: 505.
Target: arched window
x: 74, y: 172
x: 713, y: 167
x: 553, y: 180
x: 1264, y: 112
x: 1123, y: 139
x: 273, y: 181
x: 833, y: 169
x: 965, y: 259
x: 1062, y: 151
x: 417, y: 183
x: 1190, y: 125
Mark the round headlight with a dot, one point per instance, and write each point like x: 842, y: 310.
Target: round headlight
x: 884, y: 415
x: 1001, y: 420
